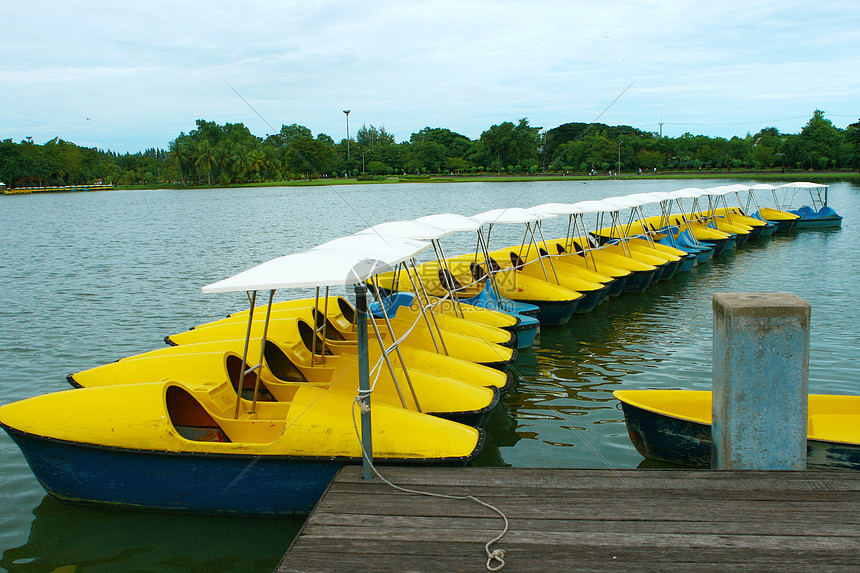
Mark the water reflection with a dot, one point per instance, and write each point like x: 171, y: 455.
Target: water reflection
x: 94, y: 540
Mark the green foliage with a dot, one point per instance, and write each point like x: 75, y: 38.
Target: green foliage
x: 213, y: 154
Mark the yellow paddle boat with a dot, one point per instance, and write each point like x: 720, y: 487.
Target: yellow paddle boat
x: 284, y: 372
x: 341, y: 317
x: 176, y: 446
x: 290, y: 330
x: 675, y: 426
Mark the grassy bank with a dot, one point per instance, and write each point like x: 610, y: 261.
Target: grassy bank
x: 814, y: 176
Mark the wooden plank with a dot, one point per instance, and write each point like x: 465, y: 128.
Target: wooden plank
x: 592, y: 493
x: 602, y: 479
x: 585, y: 520
x: 329, y: 525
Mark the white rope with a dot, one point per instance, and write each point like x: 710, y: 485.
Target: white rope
x: 496, y: 556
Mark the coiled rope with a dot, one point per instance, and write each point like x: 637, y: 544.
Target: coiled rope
x: 495, y: 557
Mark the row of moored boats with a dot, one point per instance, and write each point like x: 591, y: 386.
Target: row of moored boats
x: 255, y: 412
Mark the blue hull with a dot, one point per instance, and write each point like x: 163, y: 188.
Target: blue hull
x: 526, y: 336
x: 669, y: 270
x: 527, y: 327
x: 819, y: 223
x: 554, y: 313
x: 682, y: 442
x: 687, y: 263
x: 192, y: 483
x: 638, y: 281
x: 616, y: 287
x: 591, y: 299
x: 785, y: 225
x: 755, y: 233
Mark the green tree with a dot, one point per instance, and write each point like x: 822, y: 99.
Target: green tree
x: 508, y: 144
x: 178, y: 155
x: 206, y: 158
x: 818, y: 143
x: 852, y: 140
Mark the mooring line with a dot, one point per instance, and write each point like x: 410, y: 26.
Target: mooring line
x: 495, y: 557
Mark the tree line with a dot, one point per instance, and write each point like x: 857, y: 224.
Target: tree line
x: 213, y: 154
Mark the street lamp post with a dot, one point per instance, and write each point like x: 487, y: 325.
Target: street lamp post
x: 346, y: 111
x: 619, y: 158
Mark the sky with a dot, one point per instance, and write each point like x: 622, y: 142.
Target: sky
x: 133, y: 75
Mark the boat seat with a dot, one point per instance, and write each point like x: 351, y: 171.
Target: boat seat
x: 331, y: 332
x: 517, y: 260
x: 307, y: 333
x: 190, y: 419
x: 448, y: 281
x: 346, y: 309
x: 392, y: 303
x: 234, y: 368
x: 478, y: 273
x: 280, y: 364
x: 494, y: 266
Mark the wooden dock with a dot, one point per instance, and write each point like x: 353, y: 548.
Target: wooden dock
x: 585, y: 520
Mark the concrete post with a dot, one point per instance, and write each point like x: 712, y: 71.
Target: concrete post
x: 761, y: 374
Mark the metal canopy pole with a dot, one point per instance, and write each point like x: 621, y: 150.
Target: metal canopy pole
x: 484, y: 245
x: 430, y: 327
x: 259, y: 365
x: 395, y: 344
x: 364, y: 381
x: 253, y: 301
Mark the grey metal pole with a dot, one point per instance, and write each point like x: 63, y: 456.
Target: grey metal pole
x: 364, y: 381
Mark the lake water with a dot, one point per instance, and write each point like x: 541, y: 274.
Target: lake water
x: 91, y: 277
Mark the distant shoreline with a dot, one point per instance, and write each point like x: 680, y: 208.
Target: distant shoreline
x: 814, y: 176
x: 819, y: 176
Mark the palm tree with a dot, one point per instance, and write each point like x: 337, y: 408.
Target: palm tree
x: 179, y: 154
x: 258, y: 160
x: 206, y: 158
x: 242, y: 162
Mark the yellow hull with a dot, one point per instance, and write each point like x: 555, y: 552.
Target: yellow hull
x: 341, y: 315
x: 831, y: 418
x: 538, y: 268
x: 777, y: 215
x: 183, y: 417
x: 296, y: 328
x: 206, y: 363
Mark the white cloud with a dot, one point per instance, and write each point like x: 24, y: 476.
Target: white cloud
x: 144, y: 71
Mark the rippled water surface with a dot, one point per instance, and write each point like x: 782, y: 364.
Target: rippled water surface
x: 91, y: 277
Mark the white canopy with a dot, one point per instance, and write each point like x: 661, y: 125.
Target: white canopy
x: 345, y: 261
x: 647, y: 198
x: 555, y: 208
x: 511, y: 215
x: 767, y: 186
x: 592, y: 206
x: 408, y: 230
x: 688, y: 193
x: 451, y: 222
x: 306, y: 269
x: 628, y: 201
x: 662, y: 196
x: 389, y: 248
x: 719, y: 190
x: 803, y: 185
